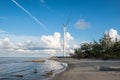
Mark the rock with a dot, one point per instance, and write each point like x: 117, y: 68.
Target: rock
x: 18, y: 75
x: 35, y: 71
x: 106, y: 68
x: 36, y: 60
x: 50, y: 73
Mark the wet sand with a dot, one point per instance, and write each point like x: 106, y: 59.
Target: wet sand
x: 87, y: 69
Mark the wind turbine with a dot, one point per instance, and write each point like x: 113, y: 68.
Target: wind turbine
x: 64, y: 40
x: 64, y: 35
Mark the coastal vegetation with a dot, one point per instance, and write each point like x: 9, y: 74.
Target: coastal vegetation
x: 104, y: 48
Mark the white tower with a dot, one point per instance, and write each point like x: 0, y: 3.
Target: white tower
x: 64, y: 40
x: 64, y: 35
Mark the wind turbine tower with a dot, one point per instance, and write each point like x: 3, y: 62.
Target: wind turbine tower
x: 64, y: 36
x: 64, y: 40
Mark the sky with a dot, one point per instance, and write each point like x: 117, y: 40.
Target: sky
x: 34, y: 28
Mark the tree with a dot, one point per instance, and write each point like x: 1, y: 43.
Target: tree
x: 86, y: 49
x: 104, y: 49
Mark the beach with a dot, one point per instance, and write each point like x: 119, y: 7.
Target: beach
x: 28, y: 68
x: 88, y: 69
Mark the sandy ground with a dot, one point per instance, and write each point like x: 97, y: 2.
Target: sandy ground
x: 87, y: 69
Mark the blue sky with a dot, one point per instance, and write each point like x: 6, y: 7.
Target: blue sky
x: 88, y: 21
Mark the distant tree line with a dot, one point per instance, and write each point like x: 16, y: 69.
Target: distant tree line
x: 105, y: 48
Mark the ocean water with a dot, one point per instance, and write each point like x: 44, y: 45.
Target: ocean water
x: 12, y: 66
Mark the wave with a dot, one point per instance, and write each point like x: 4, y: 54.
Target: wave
x: 11, y: 67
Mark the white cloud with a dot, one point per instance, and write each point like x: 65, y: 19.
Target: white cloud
x: 31, y: 45
x: 69, y: 39
x: 68, y: 36
x: 52, y: 41
x: 113, y: 34
x: 2, y: 31
x: 47, y: 45
x: 4, y: 43
x: 75, y: 46
x: 82, y: 24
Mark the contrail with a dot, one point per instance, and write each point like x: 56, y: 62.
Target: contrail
x: 30, y: 14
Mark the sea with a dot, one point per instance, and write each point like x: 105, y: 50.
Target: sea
x: 21, y: 68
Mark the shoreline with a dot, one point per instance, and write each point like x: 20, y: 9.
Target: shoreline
x: 87, y: 69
